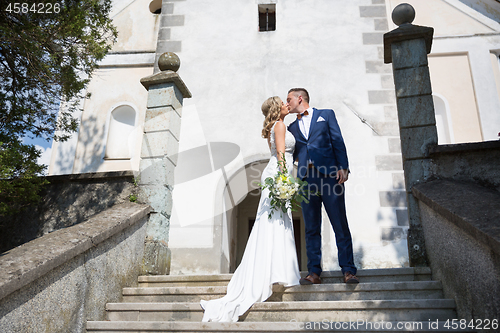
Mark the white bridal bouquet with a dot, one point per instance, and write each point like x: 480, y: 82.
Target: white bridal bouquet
x: 285, y: 191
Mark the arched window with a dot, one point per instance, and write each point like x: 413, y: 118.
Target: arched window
x: 120, y: 140
x: 443, y: 121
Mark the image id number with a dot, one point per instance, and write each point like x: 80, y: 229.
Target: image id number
x: 39, y: 8
x: 474, y: 324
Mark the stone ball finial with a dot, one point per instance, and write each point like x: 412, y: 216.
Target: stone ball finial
x: 169, y: 61
x: 403, y: 13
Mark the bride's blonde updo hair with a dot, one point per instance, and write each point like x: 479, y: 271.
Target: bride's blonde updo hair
x: 271, y: 109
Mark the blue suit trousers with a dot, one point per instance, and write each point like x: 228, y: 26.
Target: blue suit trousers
x: 332, y: 195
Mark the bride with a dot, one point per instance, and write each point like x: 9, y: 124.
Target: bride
x: 269, y: 255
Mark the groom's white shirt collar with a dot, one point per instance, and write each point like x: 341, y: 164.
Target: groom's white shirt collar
x: 305, y: 122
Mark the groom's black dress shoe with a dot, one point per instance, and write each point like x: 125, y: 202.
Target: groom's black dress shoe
x: 312, y: 278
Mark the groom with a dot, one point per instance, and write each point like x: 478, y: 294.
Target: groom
x: 322, y: 162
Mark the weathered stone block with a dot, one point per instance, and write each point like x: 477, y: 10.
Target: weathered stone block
x: 414, y: 211
x: 402, y: 217
x: 172, y: 20
x: 388, y: 162
x: 392, y: 234
x: 162, y: 119
x: 398, y: 181
x: 409, y: 53
x: 372, y: 11
x: 412, y: 82
x: 387, y: 82
x: 416, y: 111
x: 381, y: 97
x: 375, y: 67
x: 392, y: 198
x: 159, y: 144
x: 156, y: 171
x: 387, y: 128
x: 405, y: 33
x: 416, y: 171
x: 394, y: 145
x: 373, y: 38
x: 416, y: 248
x: 159, y: 197
x: 167, y: 8
x: 164, y: 34
x: 169, y: 46
x: 381, y: 24
x: 380, y: 53
x: 391, y: 113
x: 156, y: 260
x: 158, y: 228
x: 164, y: 94
x: 415, y: 141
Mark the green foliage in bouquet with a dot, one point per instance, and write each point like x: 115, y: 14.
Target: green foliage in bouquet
x: 285, y: 191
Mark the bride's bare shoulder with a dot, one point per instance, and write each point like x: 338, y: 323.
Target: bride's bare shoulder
x: 279, y: 127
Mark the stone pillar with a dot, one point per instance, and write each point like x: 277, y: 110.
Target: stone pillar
x: 407, y: 48
x: 160, y: 145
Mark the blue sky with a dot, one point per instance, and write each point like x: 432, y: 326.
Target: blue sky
x: 44, y: 146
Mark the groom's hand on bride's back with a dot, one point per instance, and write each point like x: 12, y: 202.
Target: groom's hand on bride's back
x: 342, y: 176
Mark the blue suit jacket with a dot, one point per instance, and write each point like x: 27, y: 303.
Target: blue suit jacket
x: 325, y: 146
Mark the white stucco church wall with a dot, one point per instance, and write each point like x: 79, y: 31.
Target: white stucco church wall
x: 333, y: 49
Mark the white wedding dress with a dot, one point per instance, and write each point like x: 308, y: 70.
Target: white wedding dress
x: 269, y: 255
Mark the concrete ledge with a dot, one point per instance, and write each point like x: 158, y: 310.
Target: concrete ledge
x: 98, y: 176
x: 295, y: 306
x: 464, y: 147
x: 245, y: 326
x: 472, y: 162
x: 472, y: 208
x: 68, y: 200
x: 28, y: 262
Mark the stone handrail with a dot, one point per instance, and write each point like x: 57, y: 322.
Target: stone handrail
x: 30, y: 261
x: 471, y: 207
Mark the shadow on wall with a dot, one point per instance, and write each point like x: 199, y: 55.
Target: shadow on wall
x: 84, y: 153
x: 386, y: 254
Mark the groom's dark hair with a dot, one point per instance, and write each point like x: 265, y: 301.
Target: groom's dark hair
x: 302, y: 92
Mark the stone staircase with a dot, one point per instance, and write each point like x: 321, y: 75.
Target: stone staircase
x: 384, y: 299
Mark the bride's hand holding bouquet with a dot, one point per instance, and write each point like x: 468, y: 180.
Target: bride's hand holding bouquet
x: 286, y: 192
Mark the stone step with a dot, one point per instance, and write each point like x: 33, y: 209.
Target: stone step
x: 372, y: 310
x: 187, y: 327
x: 323, y: 292
x: 365, y: 275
